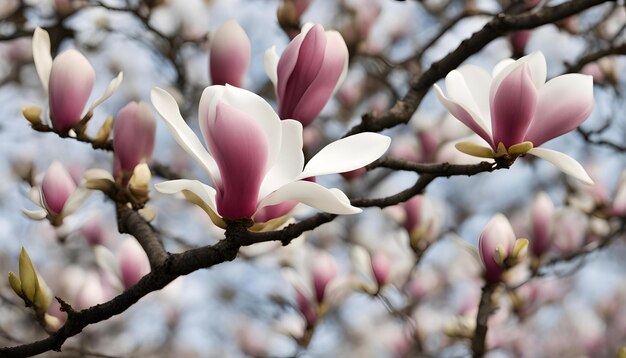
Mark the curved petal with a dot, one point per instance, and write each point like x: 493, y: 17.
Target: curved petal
x: 347, y: 154
x: 287, y: 63
x: 513, y: 106
x: 204, y: 192
x: 290, y: 160
x: 75, y: 201
x: 565, y: 163
x: 314, y: 195
x: 109, y: 91
x: 270, y: 62
x: 538, y: 68
x: 344, y: 72
x: 35, y: 214
x: 264, y: 114
x: 477, y: 81
x: 240, y: 149
x: 564, y: 103
x: 98, y: 174
x: 41, y: 55
x: 166, y: 105
x: 464, y: 115
x: 500, y: 66
x: 460, y: 91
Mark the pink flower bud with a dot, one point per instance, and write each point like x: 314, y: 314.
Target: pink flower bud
x: 133, y: 262
x: 519, y: 40
x: 413, y: 211
x: 542, y: 214
x: 324, y: 271
x: 230, y: 55
x: 308, y: 73
x: 306, y: 308
x: 71, y: 81
x: 133, y: 137
x: 594, y: 70
x: 495, y: 243
x: 56, y: 188
x: 381, y: 267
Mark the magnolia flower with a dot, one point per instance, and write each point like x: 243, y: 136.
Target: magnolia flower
x: 126, y: 266
x: 515, y: 111
x: 58, y: 196
x: 498, y: 248
x: 308, y: 73
x: 542, y: 216
x: 230, y: 55
x: 255, y: 160
x: 133, y: 137
x: 68, y: 80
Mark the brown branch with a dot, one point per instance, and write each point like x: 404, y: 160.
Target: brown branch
x: 594, y: 56
x: 502, y: 24
x: 485, y: 308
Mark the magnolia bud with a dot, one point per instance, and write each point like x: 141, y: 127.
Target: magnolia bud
x: 496, y: 243
x: 542, y: 214
x: 140, y: 181
x: 324, y: 271
x: 56, y: 188
x: 133, y: 137
x: 381, y: 267
x: 230, y: 55
x: 32, y: 114
x: 71, y: 81
x: 133, y: 262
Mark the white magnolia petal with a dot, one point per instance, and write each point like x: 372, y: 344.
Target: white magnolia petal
x: 270, y: 62
x: 203, y: 191
x: 346, y: 154
x: 35, y: 196
x: 497, y: 69
x: 106, y: 260
x: 458, y: 90
x: 257, y: 107
x: 538, y: 68
x: 362, y: 261
x: 295, y: 279
x: 338, y: 289
x: 313, y: 195
x: 41, y: 55
x: 290, y: 160
x: 478, y: 81
x: 565, y: 163
x: 98, y: 174
x: 75, y: 201
x: 166, y: 105
x: 35, y: 214
x: 108, y: 92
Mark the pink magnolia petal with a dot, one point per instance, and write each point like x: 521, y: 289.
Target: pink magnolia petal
x: 230, y: 55
x: 71, y: 82
x: 133, y: 136
x: 413, y: 212
x: 310, y: 58
x: 240, y: 149
x: 463, y: 115
x: 287, y: 63
x: 133, y: 262
x: 564, y: 103
x: 274, y: 211
x: 323, y: 86
x: 542, y: 215
x: 512, y: 107
x: 56, y: 188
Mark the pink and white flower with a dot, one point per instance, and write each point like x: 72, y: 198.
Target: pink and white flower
x: 68, y: 81
x: 498, y: 248
x: 255, y: 160
x: 58, y: 195
x: 308, y: 73
x: 516, y: 111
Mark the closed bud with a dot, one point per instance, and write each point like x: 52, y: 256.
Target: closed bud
x: 133, y: 137
x: 133, y: 262
x: 542, y: 216
x: 230, y: 55
x: 495, y: 245
x: 71, y: 81
x: 324, y: 271
x: 56, y: 188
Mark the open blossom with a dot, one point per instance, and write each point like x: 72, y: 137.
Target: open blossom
x: 308, y: 73
x: 516, y: 111
x: 133, y: 137
x: 230, y: 55
x: 255, y: 160
x: 68, y: 80
x: 58, y: 195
